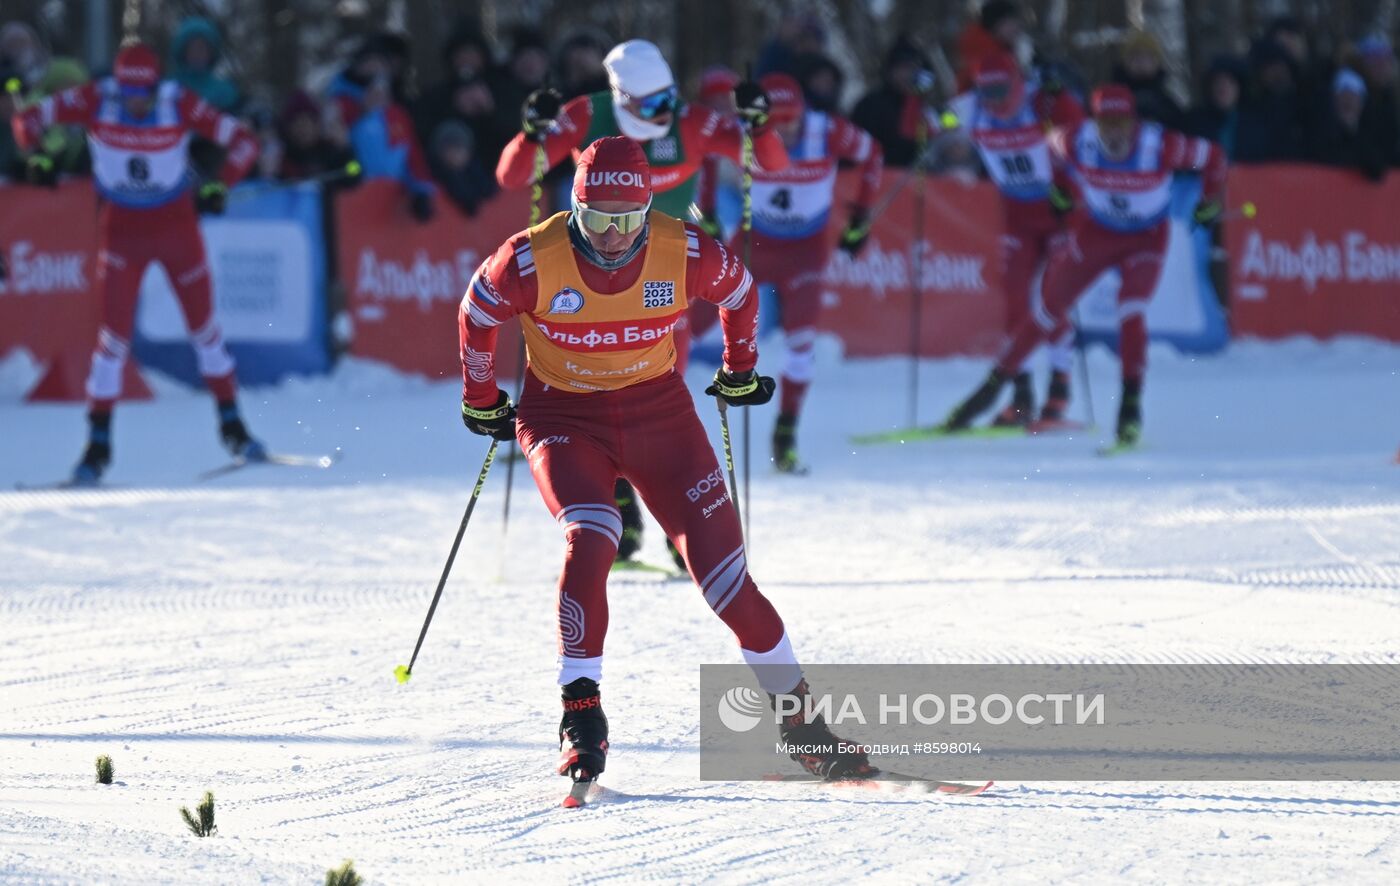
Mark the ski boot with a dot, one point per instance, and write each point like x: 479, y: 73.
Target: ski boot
x: 626, y: 499
x: 1057, y: 398
x: 98, y: 454
x: 583, y: 732
x: 816, y: 749
x: 1130, y: 414
x: 981, y: 400
x: 785, y: 446
x: 1018, y: 413
x: 235, y: 436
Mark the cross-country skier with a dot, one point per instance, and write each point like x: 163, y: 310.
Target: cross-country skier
x: 599, y: 290
x: 791, y: 248
x: 139, y: 128
x: 1009, y: 121
x: 642, y: 104
x: 1120, y: 168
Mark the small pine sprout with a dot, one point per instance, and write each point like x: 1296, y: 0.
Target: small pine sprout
x: 344, y: 875
x: 104, y: 769
x: 203, y: 826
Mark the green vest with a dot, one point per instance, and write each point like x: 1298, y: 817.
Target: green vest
x: 668, y: 150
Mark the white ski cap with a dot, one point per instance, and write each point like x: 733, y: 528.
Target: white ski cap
x: 636, y: 68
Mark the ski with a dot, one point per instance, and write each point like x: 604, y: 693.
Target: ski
x: 1055, y: 426
x: 293, y: 461
x: 884, y: 779
x: 938, y: 432
x: 1118, y: 449
x: 578, y: 794
x: 62, y: 486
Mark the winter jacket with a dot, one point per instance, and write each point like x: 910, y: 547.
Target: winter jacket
x: 217, y: 91
x: 383, y: 139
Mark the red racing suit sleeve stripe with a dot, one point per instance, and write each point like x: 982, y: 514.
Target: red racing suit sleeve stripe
x: 204, y: 119
x: 847, y: 141
x: 498, y: 291
x: 708, y: 132
x: 716, y: 275
x: 1184, y: 153
x: 516, y: 168
x: 74, y: 106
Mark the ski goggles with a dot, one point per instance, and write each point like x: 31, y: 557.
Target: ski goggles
x: 598, y: 222
x: 658, y: 104
x: 996, y: 91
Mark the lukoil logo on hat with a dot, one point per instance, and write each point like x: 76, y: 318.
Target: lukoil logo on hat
x: 741, y: 709
x: 612, y: 169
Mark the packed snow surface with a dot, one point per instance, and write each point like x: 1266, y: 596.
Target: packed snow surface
x: 239, y: 635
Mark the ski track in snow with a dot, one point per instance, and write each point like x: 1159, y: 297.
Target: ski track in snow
x: 239, y: 635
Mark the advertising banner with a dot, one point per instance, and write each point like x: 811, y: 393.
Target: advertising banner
x: 1321, y: 257
x: 405, y: 279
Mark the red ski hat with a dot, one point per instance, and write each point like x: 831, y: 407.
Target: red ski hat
x: 999, y: 72
x: 996, y: 67
x: 785, y: 100
x: 717, y: 81
x: 612, y: 168
x: 137, y: 67
x: 1113, y: 101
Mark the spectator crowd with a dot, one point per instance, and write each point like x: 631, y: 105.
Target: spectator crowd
x: 1279, y: 103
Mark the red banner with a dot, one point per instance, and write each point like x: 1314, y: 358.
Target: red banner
x: 1321, y: 257
x: 869, y: 300
x: 404, y: 279
x: 48, y: 302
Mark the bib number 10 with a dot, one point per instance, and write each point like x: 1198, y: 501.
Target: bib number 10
x: 1017, y: 165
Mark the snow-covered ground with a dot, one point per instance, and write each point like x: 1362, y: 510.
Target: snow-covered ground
x: 239, y: 636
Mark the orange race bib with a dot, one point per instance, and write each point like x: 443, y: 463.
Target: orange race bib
x: 580, y: 340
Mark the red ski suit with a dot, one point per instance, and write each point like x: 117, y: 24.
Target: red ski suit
x: 142, y: 173
x: 1015, y: 152
x: 791, y: 245
x: 697, y: 132
x: 602, y: 400
x: 1121, y: 224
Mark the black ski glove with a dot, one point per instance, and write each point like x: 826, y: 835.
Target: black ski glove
x: 752, y: 104
x: 211, y: 198
x: 40, y: 170
x: 1207, y: 213
x: 709, y: 223
x: 1061, y: 201
x: 497, y: 420
x: 856, y: 233
x: 746, y: 388
x: 421, y: 205
x: 538, y: 113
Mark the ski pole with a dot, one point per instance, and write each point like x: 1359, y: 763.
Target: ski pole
x: 748, y: 252
x: 916, y: 313
x: 403, y: 672
x: 350, y: 170
x: 948, y: 120
x: 1246, y: 210
x: 728, y: 453
x: 536, y: 198
x: 1083, y: 365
